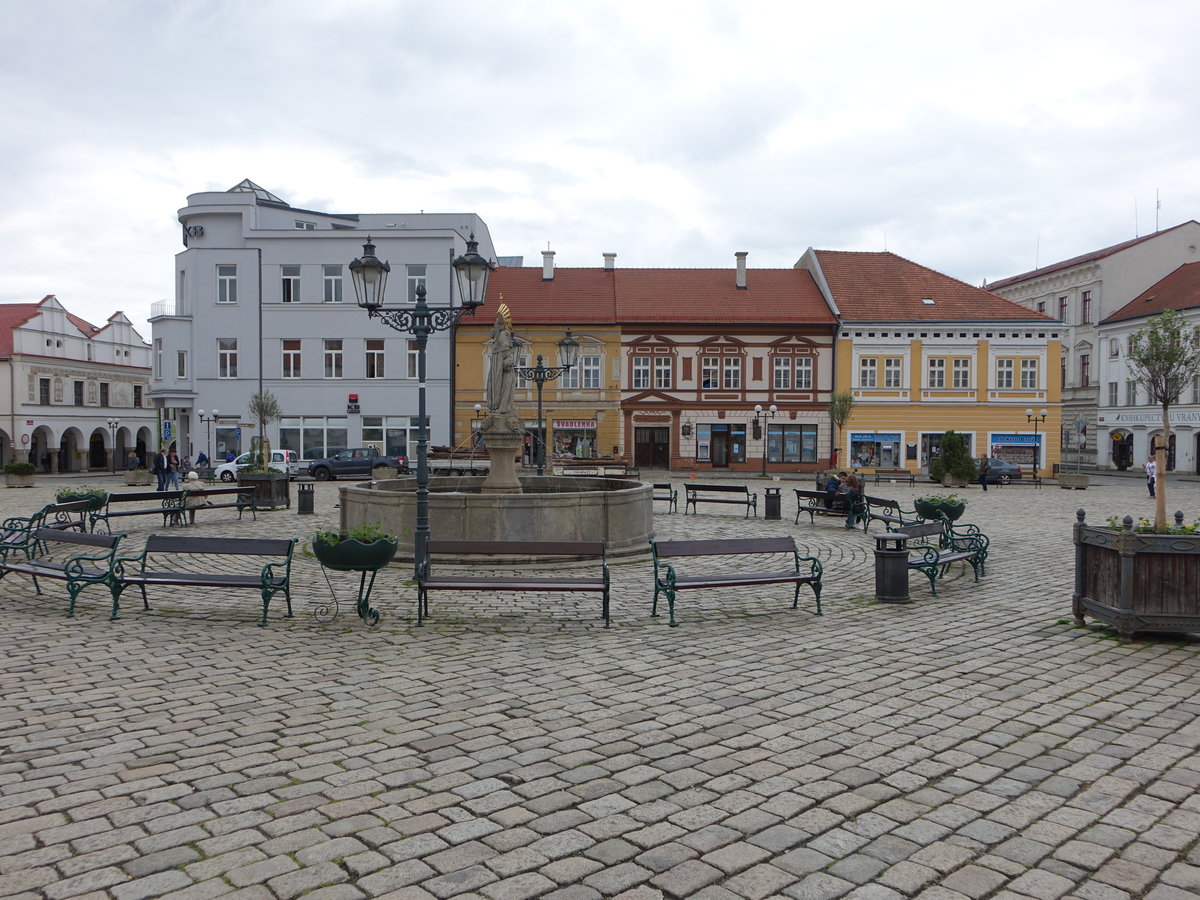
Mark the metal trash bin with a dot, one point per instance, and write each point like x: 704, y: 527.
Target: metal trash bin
x: 772, y: 504
x: 891, y: 568
x: 305, y: 495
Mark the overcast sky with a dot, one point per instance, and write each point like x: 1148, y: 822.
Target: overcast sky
x: 980, y: 140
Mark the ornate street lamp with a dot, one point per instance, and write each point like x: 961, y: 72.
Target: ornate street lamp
x: 568, y: 354
x: 420, y: 320
x: 760, y: 420
x: 113, y: 425
x: 1035, y: 418
x: 208, y: 421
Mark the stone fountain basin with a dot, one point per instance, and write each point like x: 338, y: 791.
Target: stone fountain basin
x: 550, y: 508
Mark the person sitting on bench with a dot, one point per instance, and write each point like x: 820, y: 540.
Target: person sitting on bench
x: 195, y: 495
x: 831, y: 488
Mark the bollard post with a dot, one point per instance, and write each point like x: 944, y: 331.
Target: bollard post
x: 891, y: 568
x: 305, y: 495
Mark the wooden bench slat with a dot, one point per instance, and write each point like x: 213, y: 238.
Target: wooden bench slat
x: 696, y: 493
x: 89, y: 559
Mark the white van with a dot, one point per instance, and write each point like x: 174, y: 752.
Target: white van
x: 287, y: 461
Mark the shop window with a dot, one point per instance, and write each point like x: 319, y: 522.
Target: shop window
x: 876, y: 449
x: 791, y: 443
x: 575, y: 438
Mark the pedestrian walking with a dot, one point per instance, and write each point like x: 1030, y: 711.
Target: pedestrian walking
x: 1151, y: 474
x: 984, y: 467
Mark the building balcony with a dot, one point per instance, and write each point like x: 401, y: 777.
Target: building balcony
x: 168, y: 309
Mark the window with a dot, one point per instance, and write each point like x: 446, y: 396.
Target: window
x: 782, y: 377
x: 867, y: 372
x: 641, y: 373
x: 892, y: 372
x: 413, y: 359
x: 662, y: 373
x: 137, y: 396
x: 1041, y: 307
x: 1085, y: 308
x: 732, y: 369
x: 1112, y: 393
x: 312, y: 437
x: 79, y: 393
x: 584, y: 375
x: 181, y: 364
x: 392, y: 435
x: 1114, y: 347
x: 1004, y: 374
x: 1085, y: 366
x: 333, y: 284
x: 158, y: 359
x: 1029, y: 374
x: 44, y: 391
x: 227, y: 284
x: 416, y: 278
x: 1195, y: 390
x: 104, y: 393
x: 374, y: 357
x: 710, y: 372
x: 1062, y: 309
x: 1131, y: 392
x: 521, y: 383
x: 333, y: 357
x: 304, y: 226
x: 937, y: 373
x: 227, y: 354
x: 91, y: 352
x: 291, y: 358
x: 804, y: 373
x: 290, y: 284
x: 791, y: 443
x: 962, y: 373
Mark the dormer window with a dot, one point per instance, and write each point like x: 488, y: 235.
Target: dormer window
x: 928, y: 301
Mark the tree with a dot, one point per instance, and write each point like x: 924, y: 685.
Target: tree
x: 264, y: 408
x: 1164, y: 357
x: 841, y: 405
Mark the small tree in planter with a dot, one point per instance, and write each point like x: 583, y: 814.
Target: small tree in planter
x: 841, y: 405
x: 1164, y: 357
x: 264, y: 408
x: 957, y: 466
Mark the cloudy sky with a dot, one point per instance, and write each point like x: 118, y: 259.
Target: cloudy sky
x: 978, y: 139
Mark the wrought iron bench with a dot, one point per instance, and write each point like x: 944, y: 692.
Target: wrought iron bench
x: 934, y: 560
x: 890, y: 513
x: 895, y: 475
x: 519, y: 551
x: 813, y: 504
x: 78, y: 558
x: 697, y: 493
x: 667, y: 494
x: 239, y: 497
x: 158, y: 566
x: 168, y: 504
x: 798, y: 570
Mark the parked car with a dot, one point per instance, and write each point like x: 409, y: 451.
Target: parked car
x: 1000, y: 471
x: 286, y: 461
x: 356, y: 461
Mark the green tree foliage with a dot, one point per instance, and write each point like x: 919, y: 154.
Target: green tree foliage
x: 841, y: 405
x: 955, y: 460
x: 264, y: 408
x: 1164, y: 357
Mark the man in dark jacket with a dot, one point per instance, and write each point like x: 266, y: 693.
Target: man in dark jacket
x: 159, y: 469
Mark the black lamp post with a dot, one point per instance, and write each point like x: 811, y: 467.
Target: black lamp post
x: 420, y: 320
x: 761, y: 418
x: 208, y: 422
x: 568, y: 352
x: 113, y: 425
x: 1036, y: 418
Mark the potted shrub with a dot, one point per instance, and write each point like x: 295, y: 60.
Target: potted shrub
x: 958, y: 468
x: 138, y: 476
x: 365, y: 546
x: 1137, y: 577
x: 932, y: 506
x: 19, y: 474
x: 97, y: 496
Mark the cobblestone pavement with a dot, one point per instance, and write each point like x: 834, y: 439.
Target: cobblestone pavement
x: 971, y: 745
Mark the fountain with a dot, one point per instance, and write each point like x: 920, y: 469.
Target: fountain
x: 504, y: 505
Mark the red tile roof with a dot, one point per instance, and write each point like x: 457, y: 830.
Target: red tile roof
x: 1084, y: 258
x: 884, y: 287
x: 14, y: 315
x: 600, y: 296
x: 1179, y: 290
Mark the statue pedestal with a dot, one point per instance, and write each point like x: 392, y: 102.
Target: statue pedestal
x: 502, y: 448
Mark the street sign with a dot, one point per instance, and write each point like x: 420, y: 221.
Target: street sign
x: 166, y: 431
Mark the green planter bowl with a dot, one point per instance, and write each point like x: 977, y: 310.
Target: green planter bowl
x: 932, y: 511
x: 351, y: 555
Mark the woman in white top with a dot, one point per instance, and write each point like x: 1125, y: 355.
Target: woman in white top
x: 1151, y: 474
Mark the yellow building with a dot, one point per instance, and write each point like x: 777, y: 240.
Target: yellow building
x: 924, y: 354
x: 581, y: 407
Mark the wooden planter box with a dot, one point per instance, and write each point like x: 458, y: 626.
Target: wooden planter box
x: 272, y: 490
x: 1137, y: 582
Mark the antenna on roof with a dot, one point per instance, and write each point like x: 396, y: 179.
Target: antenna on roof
x: 1157, y: 207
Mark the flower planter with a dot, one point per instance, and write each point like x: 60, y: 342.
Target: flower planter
x: 352, y: 555
x: 933, y: 511
x: 272, y: 490
x: 1137, y: 582
x: 1073, y: 481
x: 19, y: 481
x: 138, y: 476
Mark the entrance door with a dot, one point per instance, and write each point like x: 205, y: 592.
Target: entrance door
x: 720, y: 449
x: 652, y: 447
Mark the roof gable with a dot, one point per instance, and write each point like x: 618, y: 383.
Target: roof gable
x: 1178, y: 290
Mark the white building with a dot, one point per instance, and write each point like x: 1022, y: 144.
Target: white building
x: 264, y: 301
x: 1129, y: 425
x: 1081, y: 292
x: 73, y: 396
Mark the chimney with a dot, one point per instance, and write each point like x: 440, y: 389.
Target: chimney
x: 741, y: 269
x: 610, y: 261
x: 547, y: 265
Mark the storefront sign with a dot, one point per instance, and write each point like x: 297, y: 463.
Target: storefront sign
x: 1152, y: 418
x: 560, y: 424
x: 874, y: 437
x: 1017, y: 440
